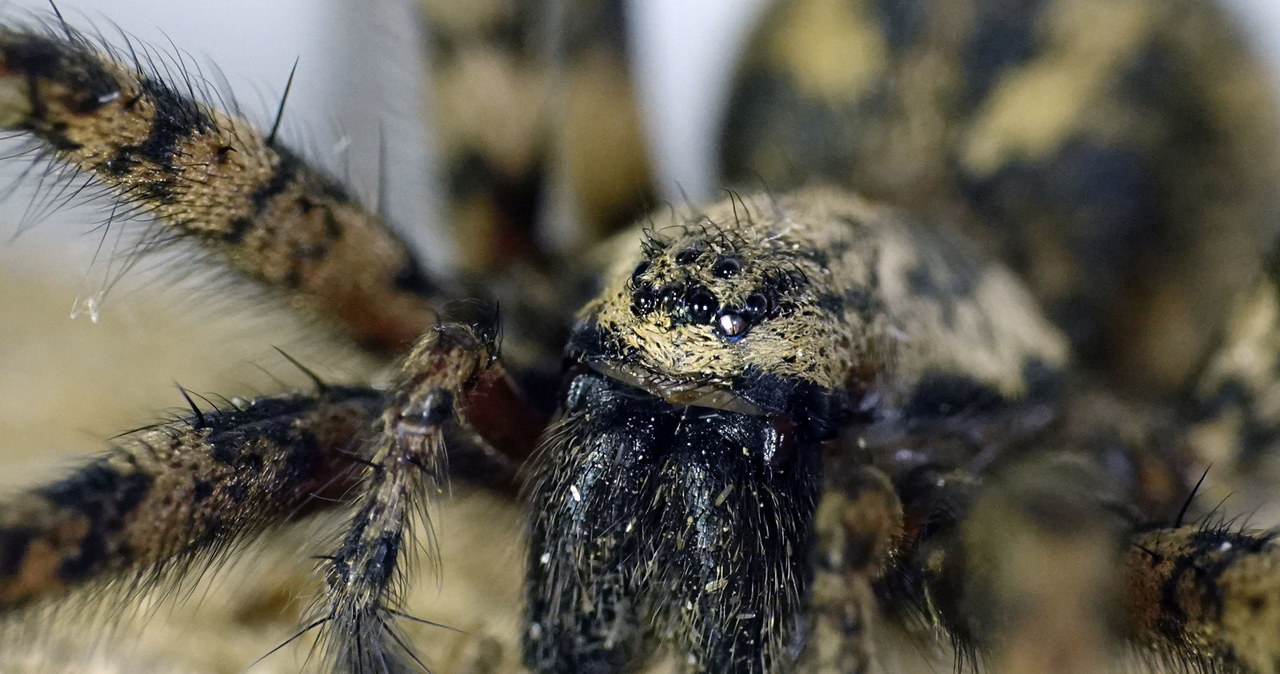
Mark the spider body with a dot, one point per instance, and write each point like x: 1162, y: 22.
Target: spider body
x: 685, y: 467
x: 776, y: 418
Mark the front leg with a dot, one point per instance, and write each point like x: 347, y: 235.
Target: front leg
x: 451, y: 382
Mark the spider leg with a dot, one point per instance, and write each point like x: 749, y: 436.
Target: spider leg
x: 858, y: 521
x: 1040, y: 549
x: 209, y: 177
x: 175, y: 491
x: 952, y: 144
x: 1237, y: 429
x: 1015, y: 531
x: 1207, y: 594
x: 1020, y: 569
x: 525, y: 96
x: 452, y: 380
x: 1211, y: 592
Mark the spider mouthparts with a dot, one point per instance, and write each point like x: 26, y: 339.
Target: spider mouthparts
x: 683, y: 393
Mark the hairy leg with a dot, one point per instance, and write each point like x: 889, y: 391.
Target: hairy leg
x: 209, y: 177
x: 450, y: 387
x: 1206, y: 594
x: 1237, y: 396
x: 171, y: 493
x: 933, y: 118
x: 1015, y: 530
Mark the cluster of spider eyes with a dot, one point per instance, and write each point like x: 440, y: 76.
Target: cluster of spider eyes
x: 696, y: 304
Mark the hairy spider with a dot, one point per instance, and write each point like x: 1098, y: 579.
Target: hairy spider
x: 757, y: 435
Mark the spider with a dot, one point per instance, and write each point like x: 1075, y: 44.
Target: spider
x: 756, y: 434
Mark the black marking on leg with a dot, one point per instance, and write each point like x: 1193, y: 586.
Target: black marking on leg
x: 104, y: 497
x: 69, y: 63
x: 236, y: 230
x: 177, y: 118
x: 201, y: 490
x: 13, y: 549
x: 382, y: 559
x: 285, y: 171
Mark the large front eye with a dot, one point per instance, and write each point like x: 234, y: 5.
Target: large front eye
x: 732, y: 325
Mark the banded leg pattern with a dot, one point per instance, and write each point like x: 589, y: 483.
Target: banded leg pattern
x: 210, y: 177
x: 451, y: 379
x: 176, y: 491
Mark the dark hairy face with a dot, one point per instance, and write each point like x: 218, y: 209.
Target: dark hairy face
x: 648, y: 518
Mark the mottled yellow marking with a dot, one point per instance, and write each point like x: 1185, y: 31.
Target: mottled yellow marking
x: 831, y: 48
x: 993, y: 331
x: 1253, y: 343
x: 487, y: 102
x: 1033, y: 109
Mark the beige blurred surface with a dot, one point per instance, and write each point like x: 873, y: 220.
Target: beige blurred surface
x: 66, y: 385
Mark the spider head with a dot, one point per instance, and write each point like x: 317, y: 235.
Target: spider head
x: 674, y: 496
x: 735, y: 308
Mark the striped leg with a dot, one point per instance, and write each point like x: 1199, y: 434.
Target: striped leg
x: 1020, y: 570
x: 1015, y: 538
x: 1206, y: 594
x: 451, y: 386
x: 1238, y: 393
x: 209, y: 177
x: 526, y: 95
x: 183, y: 491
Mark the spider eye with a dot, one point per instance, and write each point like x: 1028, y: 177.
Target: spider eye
x: 688, y: 256
x: 671, y: 296
x: 726, y: 267
x: 757, y: 307
x: 701, y: 304
x: 731, y: 325
x: 640, y: 270
x: 643, y: 300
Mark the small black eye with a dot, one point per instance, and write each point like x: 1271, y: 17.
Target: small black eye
x: 671, y: 295
x: 757, y: 307
x: 726, y: 267
x: 688, y: 256
x: 701, y: 305
x: 640, y: 270
x: 731, y: 325
x: 780, y: 282
x: 643, y: 300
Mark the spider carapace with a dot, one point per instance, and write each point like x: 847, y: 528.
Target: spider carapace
x: 759, y: 434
